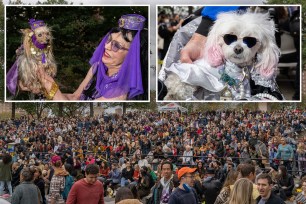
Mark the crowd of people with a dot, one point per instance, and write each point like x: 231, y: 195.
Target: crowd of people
x: 169, y: 157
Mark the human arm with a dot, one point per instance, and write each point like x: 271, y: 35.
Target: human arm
x: 194, y: 48
x: 47, y: 82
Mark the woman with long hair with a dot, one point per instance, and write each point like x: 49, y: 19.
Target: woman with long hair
x: 39, y: 182
x: 242, y: 192
x: 104, y: 170
x: 226, y: 190
x: 119, y: 66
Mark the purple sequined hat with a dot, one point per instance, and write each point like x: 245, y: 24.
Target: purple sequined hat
x: 132, y: 22
x: 36, y: 23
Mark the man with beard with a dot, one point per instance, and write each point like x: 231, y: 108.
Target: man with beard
x: 184, y: 193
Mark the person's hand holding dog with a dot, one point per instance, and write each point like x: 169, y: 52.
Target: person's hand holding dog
x: 193, y: 49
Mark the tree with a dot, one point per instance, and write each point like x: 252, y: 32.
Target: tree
x: 13, y: 110
x: 35, y: 109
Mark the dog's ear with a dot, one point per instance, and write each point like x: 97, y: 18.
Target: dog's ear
x: 268, y: 55
x: 27, y: 34
x: 213, y: 53
x: 267, y: 60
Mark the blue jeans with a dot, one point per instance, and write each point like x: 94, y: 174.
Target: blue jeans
x: 9, y: 185
x: 124, y: 182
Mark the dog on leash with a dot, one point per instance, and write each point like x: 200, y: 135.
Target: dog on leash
x: 35, y: 52
x: 240, y: 48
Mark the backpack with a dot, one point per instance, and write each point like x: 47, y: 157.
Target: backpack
x: 69, y: 181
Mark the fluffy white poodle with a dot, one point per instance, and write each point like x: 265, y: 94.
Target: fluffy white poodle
x: 240, y: 48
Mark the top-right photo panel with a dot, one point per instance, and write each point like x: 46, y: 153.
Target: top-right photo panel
x: 229, y: 53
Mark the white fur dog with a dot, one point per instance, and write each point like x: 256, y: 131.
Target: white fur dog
x: 239, y: 47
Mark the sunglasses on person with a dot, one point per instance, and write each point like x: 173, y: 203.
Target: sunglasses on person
x: 249, y: 41
x: 115, y: 45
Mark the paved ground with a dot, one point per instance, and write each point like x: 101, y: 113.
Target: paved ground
x: 108, y: 200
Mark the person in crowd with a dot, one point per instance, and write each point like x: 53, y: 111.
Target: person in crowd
x: 118, y: 66
x: 242, y: 192
x: 114, y: 177
x: 123, y: 193
x: 127, y: 174
x: 40, y: 183
x: 69, y: 180
x: 301, y: 197
x: 6, y: 173
x: 211, y: 186
x: 143, y: 186
x: 104, y: 170
x: 286, y: 181
x: 16, y: 169
x: 57, y: 182
x: 226, y: 190
x: 184, y: 193
x: 26, y: 192
x: 87, y: 190
x: 187, y: 155
x: 163, y: 189
x: 285, y: 153
x: 266, y: 195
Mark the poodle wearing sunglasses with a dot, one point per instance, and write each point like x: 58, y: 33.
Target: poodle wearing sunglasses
x: 239, y: 62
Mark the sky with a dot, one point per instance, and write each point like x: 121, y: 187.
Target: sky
x: 152, y: 4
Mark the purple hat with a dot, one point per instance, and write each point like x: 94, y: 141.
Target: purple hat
x: 36, y: 23
x: 132, y: 22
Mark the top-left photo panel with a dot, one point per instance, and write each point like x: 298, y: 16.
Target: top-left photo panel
x: 77, y: 53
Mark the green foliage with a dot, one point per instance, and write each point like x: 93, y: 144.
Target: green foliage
x: 34, y: 109
x: 77, y: 31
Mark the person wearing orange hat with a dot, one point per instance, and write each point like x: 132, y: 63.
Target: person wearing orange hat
x: 184, y: 193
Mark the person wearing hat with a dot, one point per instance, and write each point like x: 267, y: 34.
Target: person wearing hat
x: 57, y: 182
x: 184, y: 193
x: 119, y: 66
x: 211, y: 186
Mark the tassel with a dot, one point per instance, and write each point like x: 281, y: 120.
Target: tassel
x: 43, y: 58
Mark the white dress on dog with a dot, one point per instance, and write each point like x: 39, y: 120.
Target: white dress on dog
x: 201, y: 74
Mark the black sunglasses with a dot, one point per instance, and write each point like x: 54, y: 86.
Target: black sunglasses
x: 115, y: 45
x: 249, y: 41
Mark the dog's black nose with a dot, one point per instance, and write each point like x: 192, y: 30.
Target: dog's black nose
x: 238, y: 49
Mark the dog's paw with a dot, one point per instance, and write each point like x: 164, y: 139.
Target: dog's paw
x: 178, y: 90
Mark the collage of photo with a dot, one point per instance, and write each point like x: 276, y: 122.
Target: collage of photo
x: 152, y: 102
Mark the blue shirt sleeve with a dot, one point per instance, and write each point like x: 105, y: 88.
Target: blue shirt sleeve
x: 212, y: 11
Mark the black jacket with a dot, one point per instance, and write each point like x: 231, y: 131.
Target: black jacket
x: 273, y: 199
x: 212, y: 188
